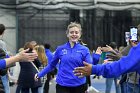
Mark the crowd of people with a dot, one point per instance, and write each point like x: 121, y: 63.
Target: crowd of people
x: 124, y: 63
x: 73, y: 63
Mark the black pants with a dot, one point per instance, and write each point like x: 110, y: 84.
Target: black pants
x: 26, y: 90
x: 50, y: 75
x: 46, y: 85
x: 88, y: 80
x: 78, y: 89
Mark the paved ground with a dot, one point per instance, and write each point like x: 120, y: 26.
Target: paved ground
x: 98, y: 84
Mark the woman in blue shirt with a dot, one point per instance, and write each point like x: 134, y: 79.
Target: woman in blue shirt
x: 70, y: 55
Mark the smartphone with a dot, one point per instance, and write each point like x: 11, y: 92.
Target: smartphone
x: 134, y: 34
x: 30, y: 50
x: 127, y: 36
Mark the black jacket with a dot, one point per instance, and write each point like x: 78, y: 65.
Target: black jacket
x: 27, y: 73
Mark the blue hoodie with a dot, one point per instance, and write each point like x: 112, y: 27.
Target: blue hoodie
x: 69, y: 58
x: 129, y: 63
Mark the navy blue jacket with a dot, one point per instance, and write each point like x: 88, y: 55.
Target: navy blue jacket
x: 27, y: 73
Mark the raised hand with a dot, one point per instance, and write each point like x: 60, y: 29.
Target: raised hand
x: 24, y: 56
x: 114, y: 57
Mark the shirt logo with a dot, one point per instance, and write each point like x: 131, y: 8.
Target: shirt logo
x: 64, y: 51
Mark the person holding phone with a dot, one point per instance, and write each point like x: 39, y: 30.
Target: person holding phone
x: 129, y: 63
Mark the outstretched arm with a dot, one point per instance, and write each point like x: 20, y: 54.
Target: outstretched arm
x: 114, y: 69
x: 22, y: 56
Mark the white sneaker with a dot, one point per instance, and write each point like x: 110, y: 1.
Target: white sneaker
x: 91, y: 88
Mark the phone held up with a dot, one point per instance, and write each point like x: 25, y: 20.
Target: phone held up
x: 30, y: 50
x: 134, y: 34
